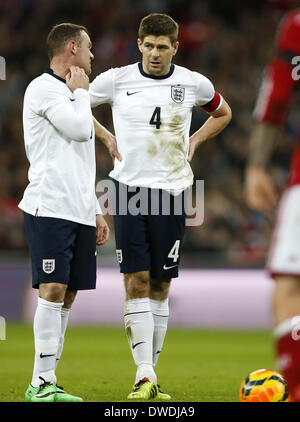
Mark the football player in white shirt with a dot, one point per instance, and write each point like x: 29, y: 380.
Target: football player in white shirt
x: 152, y: 104
x: 63, y: 220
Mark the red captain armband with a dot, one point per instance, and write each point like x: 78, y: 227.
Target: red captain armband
x: 213, y: 104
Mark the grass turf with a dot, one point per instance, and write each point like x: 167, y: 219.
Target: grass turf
x: 195, y: 365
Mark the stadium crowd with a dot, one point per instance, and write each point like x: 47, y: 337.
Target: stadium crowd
x: 229, y: 42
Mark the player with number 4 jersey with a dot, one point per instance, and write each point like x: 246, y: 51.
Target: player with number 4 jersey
x: 152, y: 104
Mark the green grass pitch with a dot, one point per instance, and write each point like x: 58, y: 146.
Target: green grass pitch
x: 195, y: 365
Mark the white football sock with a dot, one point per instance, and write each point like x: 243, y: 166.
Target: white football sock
x: 139, y: 330
x: 160, y: 312
x: 64, y: 322
x: 47, y: 330
x: 145, y: 371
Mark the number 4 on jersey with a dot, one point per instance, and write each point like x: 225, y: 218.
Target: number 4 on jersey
x: 155, y: 119
x: 174, y: 252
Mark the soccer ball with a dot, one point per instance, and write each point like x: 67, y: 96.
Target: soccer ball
x: 264, y: 385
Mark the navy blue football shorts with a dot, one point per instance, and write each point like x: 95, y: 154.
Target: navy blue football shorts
x: 148, y: 239
x: 61, y: 251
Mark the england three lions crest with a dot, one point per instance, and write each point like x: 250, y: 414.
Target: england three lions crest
x: 119, y: 255
x: 177, y: 93
x: 48, y: 265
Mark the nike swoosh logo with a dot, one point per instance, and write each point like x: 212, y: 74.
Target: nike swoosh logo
x: 131, y: 93
x: 168, y: 268
x: 45, y: 356
x: 47, y: 394
x: 72, y: 99
x: 136, y: 344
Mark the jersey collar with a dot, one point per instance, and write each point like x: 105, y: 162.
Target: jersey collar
x: 172, y: 68
x: 50, y: 72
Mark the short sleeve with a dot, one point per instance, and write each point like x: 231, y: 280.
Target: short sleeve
x: 205, y: 90
x: 278, y: 84
x: 206, y: 96
x: 288, y: 34
x: 102, y: 88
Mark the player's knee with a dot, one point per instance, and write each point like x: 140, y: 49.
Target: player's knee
x: 53, y: 292
x: 69, y: 298
x: 286, y: 298
x: 137, y: 284
x: 287, y: 287
x: 159, y: 288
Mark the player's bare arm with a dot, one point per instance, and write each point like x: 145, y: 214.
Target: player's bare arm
x: 108, y: 139
x: 217, y: 122
x: 102, y: 230
x: 260, y: 190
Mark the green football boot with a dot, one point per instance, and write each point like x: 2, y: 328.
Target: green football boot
x: 31, y: 391
x: 62, y: 396
x: 144, y: 389
x: 46, y: 393
x: 161, y: 395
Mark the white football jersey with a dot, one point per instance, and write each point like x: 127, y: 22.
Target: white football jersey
x: 60, y: 146
x: 152, y: 118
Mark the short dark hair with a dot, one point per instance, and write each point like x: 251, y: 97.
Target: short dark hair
x: 158, y: 24
x: 60, y: 35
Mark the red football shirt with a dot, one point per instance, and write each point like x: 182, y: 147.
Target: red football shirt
x: 278, y: 83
